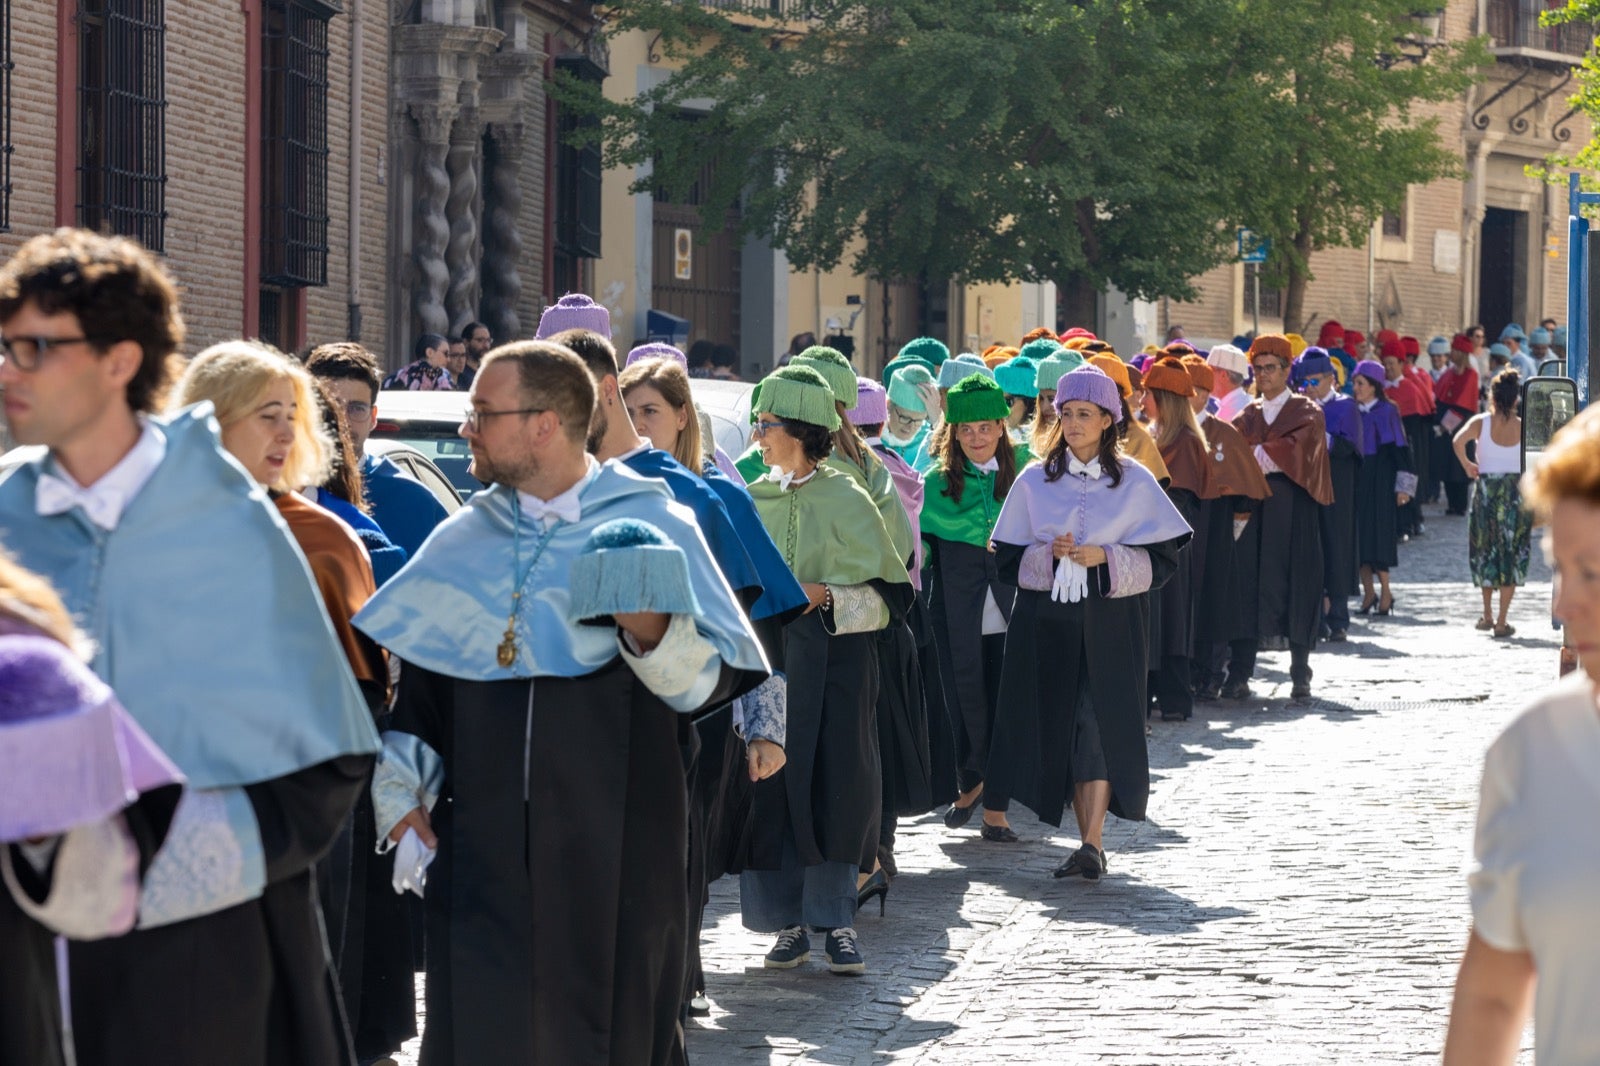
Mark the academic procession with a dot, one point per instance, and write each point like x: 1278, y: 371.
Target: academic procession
x: 278, y: 736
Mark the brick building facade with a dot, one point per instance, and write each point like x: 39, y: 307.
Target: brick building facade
x: 233, y: 138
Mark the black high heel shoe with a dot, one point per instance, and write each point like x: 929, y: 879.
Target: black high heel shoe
x: 1384, y: 612
x: 877, y: 884
x: 1367, y: 604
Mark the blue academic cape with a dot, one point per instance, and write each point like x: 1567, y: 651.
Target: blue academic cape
x: 403, y: 508
x: 1341, y: 416
x: 205, y: 617
x: 446, y: 611
x: 386, y: 556
x: 780, y: 589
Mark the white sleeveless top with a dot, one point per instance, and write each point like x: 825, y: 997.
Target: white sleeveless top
x: 1497, y: 458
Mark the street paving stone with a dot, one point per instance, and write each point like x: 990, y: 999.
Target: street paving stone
x: 1296, y: 896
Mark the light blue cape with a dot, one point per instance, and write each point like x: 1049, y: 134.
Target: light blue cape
x: 206, y: 620
x: 446, y: 610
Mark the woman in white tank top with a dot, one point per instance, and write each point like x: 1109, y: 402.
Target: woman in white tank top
x: 1500, y: 528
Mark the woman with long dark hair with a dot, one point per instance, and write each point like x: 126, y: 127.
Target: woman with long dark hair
x: 969, y: 604
x: 1385, y: 484
x: 1083, y: 536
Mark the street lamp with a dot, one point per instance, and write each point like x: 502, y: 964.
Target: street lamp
x: 1427, y: 33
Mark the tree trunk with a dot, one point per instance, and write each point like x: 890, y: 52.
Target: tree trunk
x: 1077, y: 302
x: 1299, y: 275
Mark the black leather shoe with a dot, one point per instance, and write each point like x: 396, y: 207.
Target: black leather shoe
x: 1208, y: 693
x: 875, y: 885
x: 1236, y: 690
x: 999, y: 834
x: 1338, y: 636
x: 1301, y: 690
x: 956, y: 816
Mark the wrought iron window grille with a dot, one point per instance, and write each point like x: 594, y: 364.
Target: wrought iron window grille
x: 122, y: 174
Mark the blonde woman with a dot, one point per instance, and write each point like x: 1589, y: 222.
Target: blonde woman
x: 656, y: 394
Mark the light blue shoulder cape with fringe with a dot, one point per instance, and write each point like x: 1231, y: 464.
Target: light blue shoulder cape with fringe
x: 446, y: 610
x: 206, y: 619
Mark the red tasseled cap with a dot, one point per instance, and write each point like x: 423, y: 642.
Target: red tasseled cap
x: 1331, y: 336
x: 1461, y: 343
x: 1393, y: 347
x: 1413, y: 347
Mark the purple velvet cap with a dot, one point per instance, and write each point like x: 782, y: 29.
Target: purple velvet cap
x: 657, y: 350
x: 1373, y: 369
x: 69, y: 754
x: 1092, y: 384
x: 574, y: 311
x: 872, y: 404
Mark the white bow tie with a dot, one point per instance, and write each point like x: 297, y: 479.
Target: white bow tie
x: 55, y: 495
x: 988, y: 466
x: 786, y: 478
x: 1089, y: 469
x: 562, y: 509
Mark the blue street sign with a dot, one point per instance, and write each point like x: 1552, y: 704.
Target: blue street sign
x: 1253, y: 247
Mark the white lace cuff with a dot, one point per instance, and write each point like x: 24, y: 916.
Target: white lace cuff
x: 1038, y: 570
x: 1129, y: 570
x: 856, y: 609
x: 763, y: 713
x: 212, y: 859
x: 409, y: 774
x: 94, y: 888
x: 1406, y: 482
x: 683, y: 668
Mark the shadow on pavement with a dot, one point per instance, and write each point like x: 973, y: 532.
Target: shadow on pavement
x: 1129, y: 903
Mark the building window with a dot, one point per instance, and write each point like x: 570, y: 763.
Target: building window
x: 294, y: 156
x: 122, y: 169
x: 577, y: 174
x: 1271, y: 299
x: 1394, y: 225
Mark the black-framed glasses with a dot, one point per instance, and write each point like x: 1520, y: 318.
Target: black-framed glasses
x: 1269, y: 368
x: 475, y: 417
x: 27, y: 352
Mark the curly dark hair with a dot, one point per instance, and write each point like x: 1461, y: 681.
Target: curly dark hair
x: 1056, y: 454
x: 345, y: 361
x: 815, y: 441
x: 117, y: 289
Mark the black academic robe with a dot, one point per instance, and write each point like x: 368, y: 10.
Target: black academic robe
x: 1056, y: 650
x: 1174, y: 605
x: 1339, y: 524
x: 251, y: 984
x: 557, y: 903
x: 942, y: 762
x: 1289, y: 593
x: 1419, y: 436
x: 1377, y: 513
x: 969, y: 662
x: 902, y: 719
x: 1225, y: 574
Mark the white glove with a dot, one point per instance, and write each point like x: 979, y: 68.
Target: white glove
x: 411, y: 859
x: 1071, y: 583
x: 930, y: 400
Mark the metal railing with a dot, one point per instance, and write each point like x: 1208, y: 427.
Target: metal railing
x: 1515, y: 24
x: 791, y: 10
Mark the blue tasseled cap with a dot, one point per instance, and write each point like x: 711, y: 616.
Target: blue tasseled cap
x: 629, y: 566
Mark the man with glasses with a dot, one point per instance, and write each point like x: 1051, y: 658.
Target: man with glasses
x: 403, y: 508
x: 534, y: 741
x: 210, y: 629
x: 1288, y: 434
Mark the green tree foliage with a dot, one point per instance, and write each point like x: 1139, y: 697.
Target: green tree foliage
x: 1089, y: 142
x: 1587, y: 99
x: 1340, y: 138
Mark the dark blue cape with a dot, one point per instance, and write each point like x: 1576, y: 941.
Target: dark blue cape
x: 403, y: 508
x: 386, y: 556
x: 689, y: 489
x: 780, y: 589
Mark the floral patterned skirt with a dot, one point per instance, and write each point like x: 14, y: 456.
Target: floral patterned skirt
x: 1499, y: 532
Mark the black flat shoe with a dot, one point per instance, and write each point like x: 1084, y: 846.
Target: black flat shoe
x: 999, y: 834
x: 1088, y: 862
x: 1338, y: 636
x: 958, y: 816
x: 875, y: 885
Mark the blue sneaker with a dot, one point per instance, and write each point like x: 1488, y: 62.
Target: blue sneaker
x: 843, y: 954
x: 791, y: 949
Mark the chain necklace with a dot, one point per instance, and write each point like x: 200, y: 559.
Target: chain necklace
x: 506, y: 653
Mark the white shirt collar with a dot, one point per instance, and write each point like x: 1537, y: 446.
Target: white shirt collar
x: 1091, y: 469
x: 566, y: 507
x: 787, y: 480
x: 1369, y: 405
x: 107, y: 499
x: 1271, y: 409
x: 990, y: 465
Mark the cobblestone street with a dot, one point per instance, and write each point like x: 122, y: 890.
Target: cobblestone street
x: 1297, y: 895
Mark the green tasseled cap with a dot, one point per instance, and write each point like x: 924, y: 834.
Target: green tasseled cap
x: 835, y: 370
x: 800, y: 394
x: 900, y: 362
x: 1041, y: 348
x: 975, y: 399
x: 1064, y: 361
x: 930, y: 350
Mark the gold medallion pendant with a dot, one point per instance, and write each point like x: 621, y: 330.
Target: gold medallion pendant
x: 506, y: 653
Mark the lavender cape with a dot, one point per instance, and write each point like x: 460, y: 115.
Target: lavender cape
x: 1136, y: 512
x: 908, y: 483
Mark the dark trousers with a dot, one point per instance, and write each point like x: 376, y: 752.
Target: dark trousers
x: 1170, y: 684
x: 1337, y: 616
x: 1455, y: 494
x: 1242, y: 664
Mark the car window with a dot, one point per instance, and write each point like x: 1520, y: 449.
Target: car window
x: 442, y: 447
x: 437, y: 485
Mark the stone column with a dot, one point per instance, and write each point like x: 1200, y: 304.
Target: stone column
x: 432, y: 223
x: 502, y: 241
x: 461, y: 297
